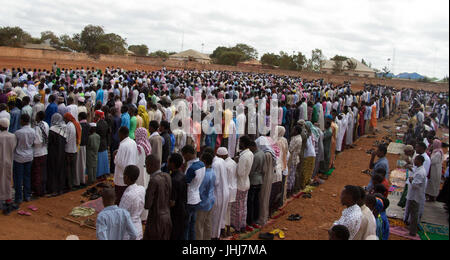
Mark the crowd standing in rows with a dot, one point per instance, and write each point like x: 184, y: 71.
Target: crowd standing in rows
x: 64, y: 129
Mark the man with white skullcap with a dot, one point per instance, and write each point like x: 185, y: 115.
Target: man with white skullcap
x: 7, y: 144
x: 222, y: 194
x: 231, y: 167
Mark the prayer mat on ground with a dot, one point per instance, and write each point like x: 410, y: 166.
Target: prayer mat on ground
x: 396, y: 148
x: 82, y: 212
x: 402, y: 232
x: 95, y: 204
x: 398, y: 178
x: 433, y: 232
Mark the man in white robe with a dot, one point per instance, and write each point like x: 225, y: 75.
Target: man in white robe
x: 8, y: 142
x: 350, y: 125
x: 222, y: 195
x: 231, y: 167
x: 341, y: 121
x: 126, y: 155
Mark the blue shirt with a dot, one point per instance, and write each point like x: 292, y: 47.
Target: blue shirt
x: 125, y: 120
x: 113, y: 223
x: 15, y: 120
x: 49, y: 112
x: 207, y: 191
x: 99, y: 96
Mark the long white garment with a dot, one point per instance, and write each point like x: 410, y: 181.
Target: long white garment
x: 321, y: 118
x: 341, y: 132
x: 231, y: 167
x: 232, y: 138
x: 133, y: 201
x: 127, y: 155
x: 143, y: 178
x: 350, y: 125
x: 241, y: 120
x: 222, y: 194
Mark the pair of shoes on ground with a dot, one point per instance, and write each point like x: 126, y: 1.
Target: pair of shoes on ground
x: 295, y: 217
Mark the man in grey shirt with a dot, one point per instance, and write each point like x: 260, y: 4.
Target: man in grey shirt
x: 256, y: 180
x: 23, y: 157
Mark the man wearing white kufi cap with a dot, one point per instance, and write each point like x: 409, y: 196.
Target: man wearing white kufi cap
x: 231, y: 167
x: 7, y: 144
x: 222, y: 194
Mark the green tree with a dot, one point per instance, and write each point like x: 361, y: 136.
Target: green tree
x: 351, y: 65
x: 230, y: 58
x: 248, y: 52
x: 117, y: 45
x: 71, y: 43
x: 338, y: 66
x: 159, y: 54
x: 91, y: 37
x: 317, y: 61
x: 339, y: 58
x: 270, y: 59
x: 300, y: 60
x: 49, y: 35
x: 139, y: 50
x: 287, y: 62
x: 218, y: 51
x: 14, y: 37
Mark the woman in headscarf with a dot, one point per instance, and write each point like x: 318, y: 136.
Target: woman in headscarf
x: 56, y: 178
x: 144, y: 150
x: 115, y: 141
x: 307, y: 169
x: 294, y: 158
x: 318, y: 147
x: 71, y: 150
x: 326, y: 142
x: 435, y: 174
x: 103, y: 131
x: 142, y: 112
x: 142, y: 101
x: 281, y: 170
x: 300, y: 167
x: 264, y: 145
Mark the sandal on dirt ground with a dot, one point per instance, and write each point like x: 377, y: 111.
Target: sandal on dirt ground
x: 33, y: 208
x: 24, y: 213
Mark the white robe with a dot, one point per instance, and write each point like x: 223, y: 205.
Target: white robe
x: 143, y: 178
x: 127, y: 155
x: 351, y: 125
x: 321, y: 118
x: 232, y: 138
x: 342, y: 124
x: 231, y: 167
x: 222, y: 194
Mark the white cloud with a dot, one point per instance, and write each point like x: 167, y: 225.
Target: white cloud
x: 369, y: 29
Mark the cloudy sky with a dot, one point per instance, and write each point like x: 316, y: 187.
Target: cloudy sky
x: 417, y: 30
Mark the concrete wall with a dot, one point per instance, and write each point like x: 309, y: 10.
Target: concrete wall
x: 44, y: 58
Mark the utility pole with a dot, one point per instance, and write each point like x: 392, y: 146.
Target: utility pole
x: 203, y: 45
x: 182, y: 42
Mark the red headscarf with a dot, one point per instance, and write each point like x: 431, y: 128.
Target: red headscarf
x: 100, y: 113
x: 68, y: 116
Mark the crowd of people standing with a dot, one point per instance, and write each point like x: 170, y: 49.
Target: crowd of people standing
x: 64, y: 129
